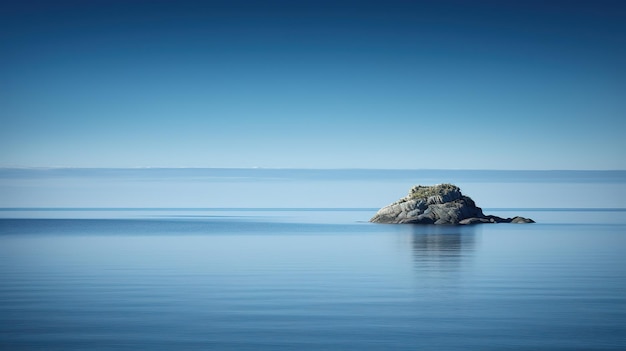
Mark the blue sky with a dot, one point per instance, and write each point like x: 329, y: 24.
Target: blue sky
x: 313, y: 84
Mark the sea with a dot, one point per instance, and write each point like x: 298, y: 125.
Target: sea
x: 285, y: 259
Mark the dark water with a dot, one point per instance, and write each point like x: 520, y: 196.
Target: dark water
x: 228, y: 279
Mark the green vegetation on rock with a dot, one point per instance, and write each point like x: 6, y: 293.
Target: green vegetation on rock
x: 424, y: 192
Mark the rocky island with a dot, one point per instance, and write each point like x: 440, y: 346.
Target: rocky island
x: 438, y: 204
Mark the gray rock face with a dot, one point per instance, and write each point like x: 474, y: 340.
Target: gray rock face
x: 438, y: 204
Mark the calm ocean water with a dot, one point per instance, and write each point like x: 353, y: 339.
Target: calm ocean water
x: 83, y: 266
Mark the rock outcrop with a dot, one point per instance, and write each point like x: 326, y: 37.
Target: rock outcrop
x: 438, y: 204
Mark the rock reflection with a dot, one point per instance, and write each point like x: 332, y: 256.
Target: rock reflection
x: 441, y: 248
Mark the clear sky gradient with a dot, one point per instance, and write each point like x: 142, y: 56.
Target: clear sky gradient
x: 313, y: 84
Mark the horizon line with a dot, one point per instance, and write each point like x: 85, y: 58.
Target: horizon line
x: 306, y: 168
x: 286, y: 209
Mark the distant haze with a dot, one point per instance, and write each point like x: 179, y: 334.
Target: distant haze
x: 254, y: 188
x: 313, y: 84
